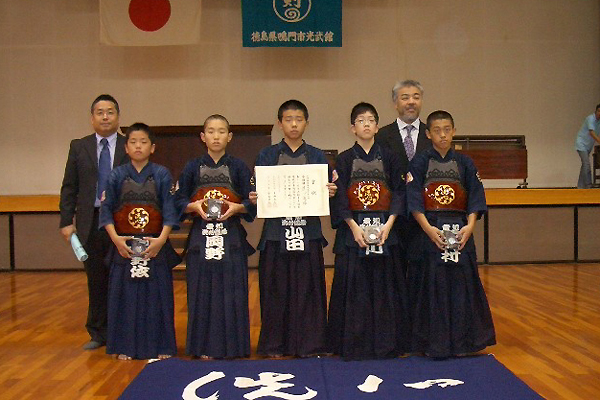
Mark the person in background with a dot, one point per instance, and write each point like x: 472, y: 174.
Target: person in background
x: 587, y: 138
x: 406, y: 137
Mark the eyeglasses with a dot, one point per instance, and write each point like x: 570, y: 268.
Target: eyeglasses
x: 370, y: 121
x: 102, y: 113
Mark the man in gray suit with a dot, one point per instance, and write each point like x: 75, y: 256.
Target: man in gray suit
x: 86, y: 174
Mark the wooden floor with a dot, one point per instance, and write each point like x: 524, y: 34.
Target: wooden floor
x: 547, y: 321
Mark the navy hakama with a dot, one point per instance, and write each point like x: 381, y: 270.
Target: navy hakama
x: 140, y: 312
x: 217, y: 276
x: 293, y: 301
x: 451, y: 312
x: 368, y: 311
x: 140, y: 309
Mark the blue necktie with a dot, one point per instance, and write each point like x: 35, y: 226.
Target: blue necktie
x: 103, y: 168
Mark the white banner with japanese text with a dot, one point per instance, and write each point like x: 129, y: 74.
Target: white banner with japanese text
x: 292, y: 190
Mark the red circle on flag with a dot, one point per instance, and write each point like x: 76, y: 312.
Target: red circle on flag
x: 149, y: 15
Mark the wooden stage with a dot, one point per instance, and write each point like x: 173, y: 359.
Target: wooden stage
x: 522, y: 226
x: 495, y: 198
x: 546, y: 316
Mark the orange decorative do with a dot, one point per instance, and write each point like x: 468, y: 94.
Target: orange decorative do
x: 138, y: 218
x: 444, y: 194
x: 368, y: 193
x: 214, y: 194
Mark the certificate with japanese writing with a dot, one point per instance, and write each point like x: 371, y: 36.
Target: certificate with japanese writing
x: 292, y: 190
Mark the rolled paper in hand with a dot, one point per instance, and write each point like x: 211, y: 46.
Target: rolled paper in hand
x: 78, y: 248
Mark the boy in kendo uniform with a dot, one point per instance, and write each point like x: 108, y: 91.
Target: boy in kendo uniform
x: 293, y: 301
x: 138, y: 212
x: 368, y: 313
x: 446, y: 196
x: 213, y: 190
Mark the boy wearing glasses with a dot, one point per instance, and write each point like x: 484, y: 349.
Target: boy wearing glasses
x: 446, y: 197
x: 368, y: 313
x: 293, y: 302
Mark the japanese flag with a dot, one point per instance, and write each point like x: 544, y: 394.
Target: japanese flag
x: 149, y: 22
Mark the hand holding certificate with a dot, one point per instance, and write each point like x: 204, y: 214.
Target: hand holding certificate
x: 292, y: 190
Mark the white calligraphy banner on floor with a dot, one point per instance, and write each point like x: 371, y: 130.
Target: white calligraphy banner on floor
x: 329, y: 378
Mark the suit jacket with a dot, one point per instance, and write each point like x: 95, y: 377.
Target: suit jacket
x: 389, y: 137
x: 78, y: 191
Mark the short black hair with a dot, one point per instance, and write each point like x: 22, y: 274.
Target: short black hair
x: 597, y: 107
x: 292, y: 105
x: 105, y: 97
x: 438, y: 115
x: 140, y: 126
x: 216, y: 116
x: 362, y: 108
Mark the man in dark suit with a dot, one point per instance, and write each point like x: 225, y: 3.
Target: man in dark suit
x: 405, y: 136
x: 407, y: 96
x: 86, y: 174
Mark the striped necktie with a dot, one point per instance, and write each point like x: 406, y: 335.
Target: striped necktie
x: 104, y: 168
x: 409, y: 146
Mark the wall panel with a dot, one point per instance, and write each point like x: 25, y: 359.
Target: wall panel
x: 39, y: 245
x: 4, y: 243
x: 531, y: 234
